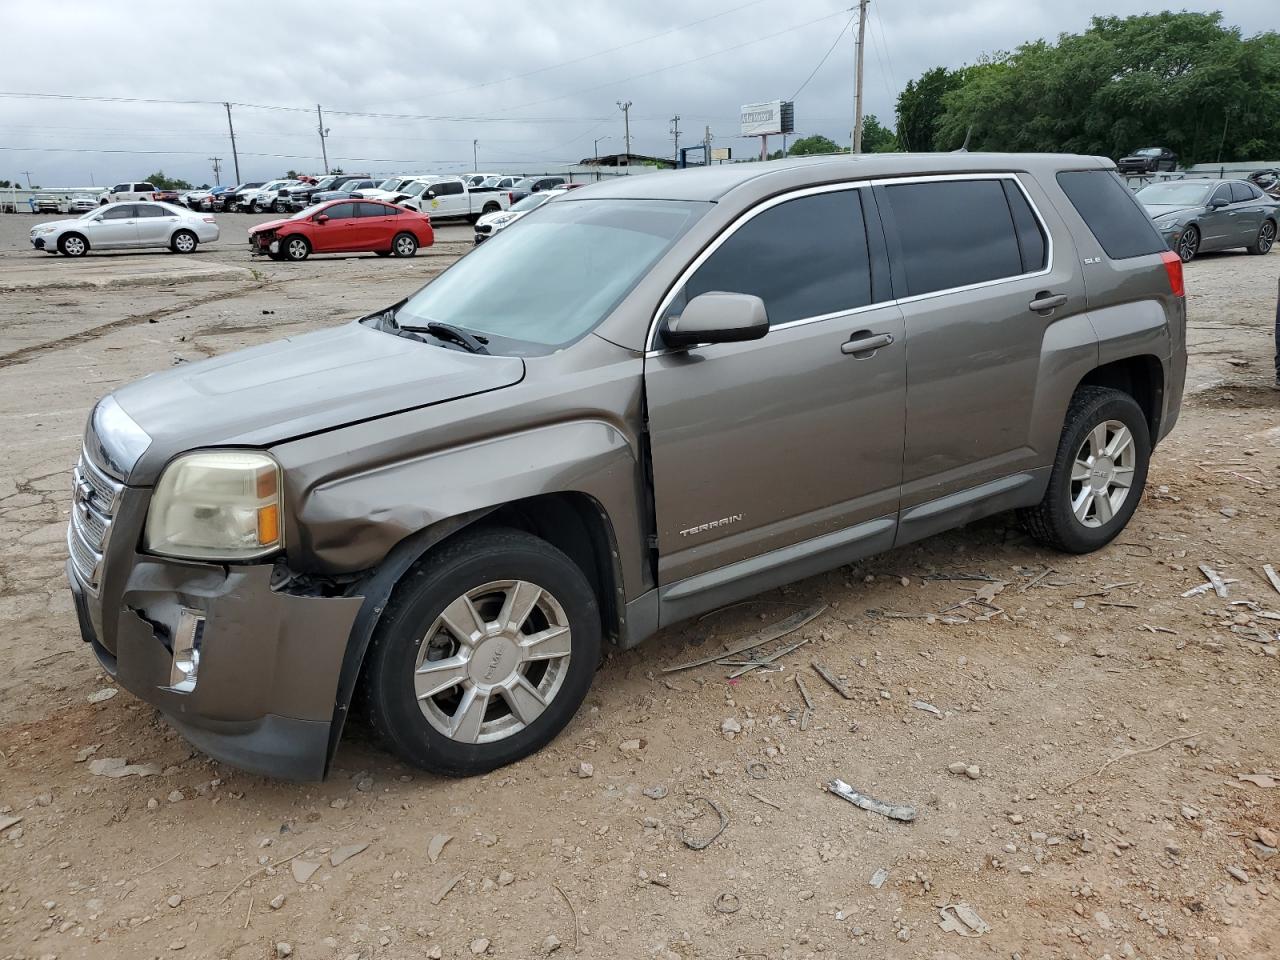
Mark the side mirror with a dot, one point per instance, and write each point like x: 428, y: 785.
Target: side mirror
x: 718, y: 318
x: 322, y: 219
x: 431, y: 194
x: 1217, y: 203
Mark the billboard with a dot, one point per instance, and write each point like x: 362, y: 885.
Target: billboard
x: 774, y: 116
x: 721, y: 153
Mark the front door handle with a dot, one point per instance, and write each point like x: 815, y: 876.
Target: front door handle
x: 1047, y: 301
x: 864, y: 343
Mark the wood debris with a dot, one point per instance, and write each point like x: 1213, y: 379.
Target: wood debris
x: 828, y: 676
x: 780, y: 629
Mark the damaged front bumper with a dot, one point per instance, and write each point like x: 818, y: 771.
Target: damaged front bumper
x: 245, y: 670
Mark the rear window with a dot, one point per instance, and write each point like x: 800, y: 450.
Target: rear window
x: 1111, y: 212
x: 987, y: 249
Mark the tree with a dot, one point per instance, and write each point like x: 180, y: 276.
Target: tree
x: 920, y: 107
x: 159, y: 180
x: 5, y: 184
x: 291, y: 175
x: 1182, y: 80
x: 877, y: 138
x: 815, y: 144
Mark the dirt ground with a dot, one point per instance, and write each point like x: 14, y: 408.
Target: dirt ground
x: 1125, y: 801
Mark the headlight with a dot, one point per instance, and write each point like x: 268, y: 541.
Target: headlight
x: 216, y: 505
x: 43, y: 228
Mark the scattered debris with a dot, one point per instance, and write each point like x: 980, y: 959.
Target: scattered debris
x: 758, y: 770
x: 7, y: 822
x: 777, y: 655
x: 694, y: 843
x: 1033, y: 582
x: 585, y: 770
x: 85, y: 753
x: 894, y: 812
x: 962, y: 919
x: 103, y: 695
x: 990, y: 591
x: 1215, y: 580
x: 730, y: 727
x: 631, y: 746
x: 765, y: 800
x: 445, y: 888
x: 879, y: 877
x: 304, y: 870
x: 1263, y: 780
x: 1238, y: 874
x: 278, y: 900
x: 804, y: 692
x: 958, y: 768
x: 655, y: 792
x: 480, y: 946
x: 437, y: 845
x: 569, y: 903
x: 780, y: 629
x: 342, y: 854
x: 120, y: 767
x: 926, y: 707
x: 726, y: 902
x: 828, y: 676
x: 805, y: 718
x: 1274, y: 577
x: 1131, y: 753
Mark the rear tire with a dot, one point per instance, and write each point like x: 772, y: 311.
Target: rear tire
x: 296, y: 248
x: 1081, y: 511
x: 404, y: 245
x: 184, y: 241
x: 1266, y: 238
x: 519, y: 705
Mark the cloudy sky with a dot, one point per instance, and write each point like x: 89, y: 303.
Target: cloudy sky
x: 536, y: 83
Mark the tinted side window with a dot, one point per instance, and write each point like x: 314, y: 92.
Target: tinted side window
x: 1030, y: 235
x: 125, y: 211
x: 143, y: 188
x: 151, y: 210
x: 1109, y: 209
x: 340, y: 211
x: 373, y: 210
x: 1222, y: 193
x: 1240, y: 192
x: 804, y: 258
x: 120, y: 188
x: 447, y: 187
x: 933, y: 258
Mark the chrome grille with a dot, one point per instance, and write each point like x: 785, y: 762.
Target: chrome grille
x: 94, y: 498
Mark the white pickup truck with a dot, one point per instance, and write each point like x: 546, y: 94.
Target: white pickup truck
x: 443, y: 198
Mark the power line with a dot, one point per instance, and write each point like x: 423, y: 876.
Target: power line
x: 830, y: 50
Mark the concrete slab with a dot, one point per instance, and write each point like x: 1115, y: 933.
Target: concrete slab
x: 103, y: 272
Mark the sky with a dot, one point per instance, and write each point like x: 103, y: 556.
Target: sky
x: 535, y: 83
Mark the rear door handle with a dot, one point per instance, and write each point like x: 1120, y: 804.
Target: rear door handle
x: 866, y: 344
x: 1047, y: 301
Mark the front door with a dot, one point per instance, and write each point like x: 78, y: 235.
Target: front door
x: 764, y: 445
x: 116, y: 226
x: 336, y: 233
x: 1218, y: 223
x: 979, y: 296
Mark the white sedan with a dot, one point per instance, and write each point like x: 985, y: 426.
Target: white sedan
x: 119, y: 226
x: 492, y: 223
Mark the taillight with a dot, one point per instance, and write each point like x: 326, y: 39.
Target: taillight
x: 210, y: 220
x: 511, y: 197
x: 1173, y: 267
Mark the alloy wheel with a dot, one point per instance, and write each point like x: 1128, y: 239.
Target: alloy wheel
x: 1266, y: 236
x: 1102, y: 473
x: 1188, y: 244
x: 493, y: 661
x: 297, y: 249
x: 405, y: 246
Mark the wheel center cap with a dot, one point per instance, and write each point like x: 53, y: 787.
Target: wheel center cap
x: 1101, y: 474
x: 494, y: 661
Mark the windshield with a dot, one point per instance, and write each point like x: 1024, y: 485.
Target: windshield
x: 1147, y: 152
x: 1174, y: 194
x: 307, y: 211
x: 552, y: 281
x: 324, y: 184
x: 531, y: 202
x: 415, y: 188
x: 389, y: 184
x: 490, y: 181
x: 525, y: 184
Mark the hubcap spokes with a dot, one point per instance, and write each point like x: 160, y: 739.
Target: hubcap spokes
x: 493, y: 661
x: 1102, y: 473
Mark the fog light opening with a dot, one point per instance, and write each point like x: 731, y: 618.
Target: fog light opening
x: 187, y: 637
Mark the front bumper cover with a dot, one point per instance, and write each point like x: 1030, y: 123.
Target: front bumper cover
x: 265, y: 693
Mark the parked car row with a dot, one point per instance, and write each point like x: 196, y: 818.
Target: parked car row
x: 498, y: 220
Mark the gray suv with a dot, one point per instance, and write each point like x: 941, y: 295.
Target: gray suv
x: 657, y: 396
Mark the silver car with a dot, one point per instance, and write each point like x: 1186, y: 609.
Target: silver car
x: 119, y: 226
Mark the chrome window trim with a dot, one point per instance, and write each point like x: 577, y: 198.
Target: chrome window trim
x: 747, y: 216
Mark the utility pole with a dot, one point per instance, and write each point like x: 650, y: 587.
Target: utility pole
x: 324, y: 133
x: 626, y: 126
x: 27, y: 174
x: 857, y: 92
x: 475, y: 156
x: 706, y: 145
x: 595, y: 145
x: 675, y: 135
x: 234, y: 155
x: 217, y: 171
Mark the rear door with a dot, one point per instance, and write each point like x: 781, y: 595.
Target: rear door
x: 375, y: 226
x: 981, y: 292
x: 1247, y: 210
x: 762, y: 445
x: 155, y: 224
x: 116, y: 227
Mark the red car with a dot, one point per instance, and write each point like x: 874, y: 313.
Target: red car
x: 344, y: 226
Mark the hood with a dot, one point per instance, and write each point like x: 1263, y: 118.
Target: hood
x: 1164, y: 209
x: 56, y: 224
x: 289, y: 388
x: 269, y: 225
x: 504, y: 215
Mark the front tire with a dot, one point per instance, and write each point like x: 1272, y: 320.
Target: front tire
x: 184, y: 241
x: 73, y: 245
x: 1189, y: 244
x: 295, y: 248
x: 1266, y: 238
x: 485, y: 652
x: 1098, y: 474
x: 404, y: 245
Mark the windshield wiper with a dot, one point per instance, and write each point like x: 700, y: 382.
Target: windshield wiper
x: 447, y: 331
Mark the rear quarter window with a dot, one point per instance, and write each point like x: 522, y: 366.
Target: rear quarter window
x: 1111, y: 213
